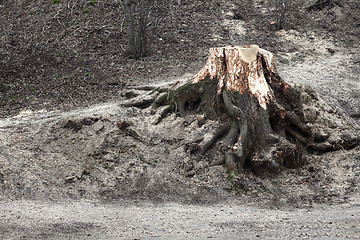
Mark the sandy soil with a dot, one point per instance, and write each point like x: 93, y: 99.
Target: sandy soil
x: 93, y: 220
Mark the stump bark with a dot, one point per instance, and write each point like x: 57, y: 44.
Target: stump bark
x: 261, y: 116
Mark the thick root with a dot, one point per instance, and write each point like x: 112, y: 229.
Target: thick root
x: 262, y: 118
x: 218, y: 134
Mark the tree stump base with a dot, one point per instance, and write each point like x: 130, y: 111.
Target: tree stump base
x: 262, y: 119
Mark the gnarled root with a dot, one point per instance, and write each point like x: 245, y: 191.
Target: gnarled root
x: 261, y: 116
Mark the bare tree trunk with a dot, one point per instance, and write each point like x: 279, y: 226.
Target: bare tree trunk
x: 129, y: 26
x: 142, y: 34
x: 137, y: 39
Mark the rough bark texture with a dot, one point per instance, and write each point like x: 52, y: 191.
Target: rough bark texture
x: 262, y: 116
x: 136, y: 38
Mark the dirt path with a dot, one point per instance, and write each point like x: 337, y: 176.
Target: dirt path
x: 91, y: 220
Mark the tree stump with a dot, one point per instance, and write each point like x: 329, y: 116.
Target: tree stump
x: 261, y: 116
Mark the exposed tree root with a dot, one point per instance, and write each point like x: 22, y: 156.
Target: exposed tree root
x: 218, y: 134
x: 261, y: 116
x: 142, y: 103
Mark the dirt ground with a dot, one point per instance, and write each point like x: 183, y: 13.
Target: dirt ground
x: 236, y: 220
x: 82, y: 166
